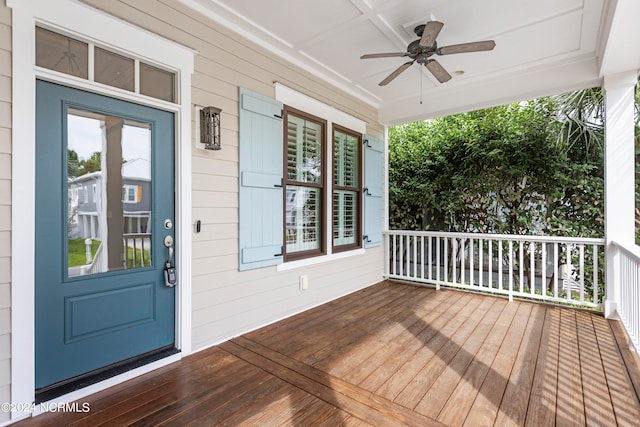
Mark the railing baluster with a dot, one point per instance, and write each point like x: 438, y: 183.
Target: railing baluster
x: 556, y: 262
x: 543, y: 265
x: 421, y: 257
x: 510, y: 270
x: 401, y: 255
x: 454, y: 260
x: 532, y: 268
x: 500, y: 264
x: 481, y: 262
x: 596, y: 296
x: 430, y: 257
x: 582, y: 273
x: 471, y: 257
x: 463, y: 260
x: 521, y: 264
x: 490, y: 264
x: 394, y: 255
x: 135, y: 252
x: 407, y: 257
x: 438, y: 262
x: 446, y: 259
x: 568, y: 278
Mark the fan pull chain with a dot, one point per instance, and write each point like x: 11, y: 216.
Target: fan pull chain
x: 420, y: 85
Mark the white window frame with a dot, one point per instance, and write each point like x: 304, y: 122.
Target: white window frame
x: 126, y: 198
x: 85, y: 23
x: 332, y: 115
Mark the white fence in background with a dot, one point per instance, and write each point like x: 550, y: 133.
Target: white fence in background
x: 552, y: 269
x: 137, y: 250
x: 628, y: 306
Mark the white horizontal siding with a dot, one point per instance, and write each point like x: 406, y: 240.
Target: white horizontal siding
x: 5, y: 206
x: 226, y: 302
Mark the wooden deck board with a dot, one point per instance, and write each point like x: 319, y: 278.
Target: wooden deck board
x: 392, y: 354
x: 441, y: 391
x: 542, y: 398
x: 623, y: 398
x: 570, y: 401
x: 597, y: 403
x: 510, y: 375
x: 408, y: 371
x: 513, y: 319
x: 413, y: 392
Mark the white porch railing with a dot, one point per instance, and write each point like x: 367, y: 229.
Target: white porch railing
x: 628, y: 306
x: 97, y: 265
x: 553, y: 269
x: 137, y: 250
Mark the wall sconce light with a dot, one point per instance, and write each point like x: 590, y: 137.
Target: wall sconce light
x: 210, y: 127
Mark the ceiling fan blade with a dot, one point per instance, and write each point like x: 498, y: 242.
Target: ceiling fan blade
x: 396, y: 73
x: 438, y: 71
x: 431, y: 31
x: 383, y: 55
x: 467, y: 47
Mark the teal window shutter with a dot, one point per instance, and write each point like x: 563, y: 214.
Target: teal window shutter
x: 261, y: 202
x: 372, y: 191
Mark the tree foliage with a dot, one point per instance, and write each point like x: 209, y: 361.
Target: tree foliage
x: 525, y: 168
x: 78, y: 167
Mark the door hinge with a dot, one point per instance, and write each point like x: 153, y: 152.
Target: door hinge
x: 281, y: 251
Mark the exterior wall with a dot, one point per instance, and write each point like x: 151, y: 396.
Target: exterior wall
x: 5, y: 206
x: 227, y: 302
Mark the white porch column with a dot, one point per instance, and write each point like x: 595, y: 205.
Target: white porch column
x: 619, y: 182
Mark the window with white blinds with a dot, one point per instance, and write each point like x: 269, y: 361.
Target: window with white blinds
x: 304, y: 184
x: 346, y: 188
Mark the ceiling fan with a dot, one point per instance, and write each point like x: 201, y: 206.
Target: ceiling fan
x: 422, y: 49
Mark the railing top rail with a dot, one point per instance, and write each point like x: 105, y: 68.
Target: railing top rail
x: 631, y: 251
x: 513, y: 237
x: 136, y: 235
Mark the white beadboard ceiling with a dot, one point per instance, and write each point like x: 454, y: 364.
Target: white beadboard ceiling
x: 542, y: 46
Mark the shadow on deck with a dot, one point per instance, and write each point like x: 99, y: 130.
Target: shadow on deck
x: 393, y: 354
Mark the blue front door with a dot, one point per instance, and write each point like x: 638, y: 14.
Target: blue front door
x: 104, y: 208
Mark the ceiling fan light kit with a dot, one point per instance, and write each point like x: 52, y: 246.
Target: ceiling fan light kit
x: 421, y: 50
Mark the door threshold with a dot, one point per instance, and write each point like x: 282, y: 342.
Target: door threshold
x: 70, y: 385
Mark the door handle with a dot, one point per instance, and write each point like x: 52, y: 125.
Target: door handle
x: 168, y: 242
x: 170, y: 276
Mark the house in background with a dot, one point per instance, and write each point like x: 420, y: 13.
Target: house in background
x: 296, y: 194
x: 85, y: 201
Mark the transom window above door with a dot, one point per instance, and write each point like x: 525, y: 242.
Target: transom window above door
x: 64, y: 54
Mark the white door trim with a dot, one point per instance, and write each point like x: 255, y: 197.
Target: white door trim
x: 90, y: 24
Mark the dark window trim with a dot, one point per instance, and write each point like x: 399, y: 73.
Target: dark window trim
x: 322, y: 250
x: 357, y: 190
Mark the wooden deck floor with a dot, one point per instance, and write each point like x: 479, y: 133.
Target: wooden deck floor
x: 393, y: 354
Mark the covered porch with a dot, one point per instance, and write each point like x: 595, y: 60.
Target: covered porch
x: 393, y: 354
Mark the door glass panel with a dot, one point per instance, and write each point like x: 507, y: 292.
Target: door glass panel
x: 61, y: 53
x: 109, y: 193
x: 157, y: 83
x: 113, y: 69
